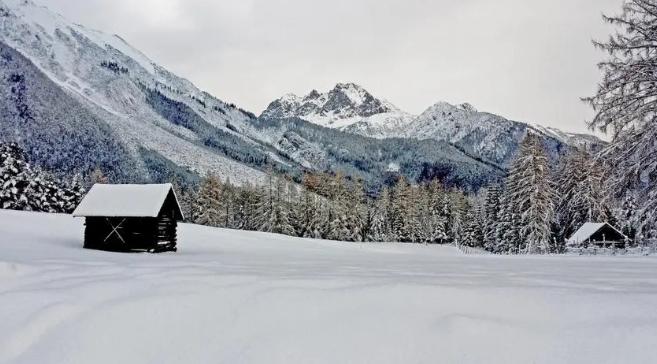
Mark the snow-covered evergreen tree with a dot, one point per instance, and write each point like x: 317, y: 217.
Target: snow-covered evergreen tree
x: 374, y: 221
x: 273, y: 212
x: 437, y: 213
x: 399, y: 213
x: 246, y: 207
x: 384, y: 208
x: 25, y: 188
x: 531, y: 192
x: 507, y: 231
x: 458, y: 213
x: 626, y: 214
x: 72, y: 193
x: 626, y: 105
x: 492, y: 205
x: 306, y: 218
x: 581, y: 194
x: 206, y: 209
x: 226, y: 211
x: 471, y: 231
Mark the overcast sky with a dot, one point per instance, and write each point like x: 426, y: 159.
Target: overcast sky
x: 528, y: 60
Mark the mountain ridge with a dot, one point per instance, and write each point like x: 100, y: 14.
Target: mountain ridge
x: 347, y: 107
x: 161, y: 127
x: 488, y: 136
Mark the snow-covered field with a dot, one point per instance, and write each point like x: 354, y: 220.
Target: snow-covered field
x: 242, y: 297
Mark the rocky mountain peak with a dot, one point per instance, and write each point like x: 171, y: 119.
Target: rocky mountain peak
x: 343, y: 105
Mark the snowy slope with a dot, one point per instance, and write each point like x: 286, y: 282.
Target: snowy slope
x: 241, y: 297
x: 488, y: 136
x: 347, y: 107
x: 124, y: 89
x: 579, y: 140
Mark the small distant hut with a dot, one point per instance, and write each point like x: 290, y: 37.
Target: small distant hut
x: 597, y: 234
x: 130, y: 217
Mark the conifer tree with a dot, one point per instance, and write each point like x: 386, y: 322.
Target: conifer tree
x: 507, y: 231
x: 374, y: 221
x: 531, y: 192
x: 399, y: 213
x: 273, y: 211
x: 25, y: 188
x: 459, y: 210
x: 491, y: 209
x: 471, y: 232
x: 226, y: 211
x: 626, y: 105
x: 207, y: 204
x: 581, y: 194
x: 247, y: 202
x: 381, y: 225
x: 439, y: 210
x: 627, y: 215
x: 306, y: 215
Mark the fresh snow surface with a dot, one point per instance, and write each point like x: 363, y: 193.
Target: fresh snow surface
x: 244, y: 297
x: 123, y: 200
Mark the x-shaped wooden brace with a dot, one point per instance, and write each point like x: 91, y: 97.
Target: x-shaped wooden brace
x: 114, y: 230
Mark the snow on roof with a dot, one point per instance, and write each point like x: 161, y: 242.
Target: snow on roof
x: 124, y: 200
x: 587, y: 230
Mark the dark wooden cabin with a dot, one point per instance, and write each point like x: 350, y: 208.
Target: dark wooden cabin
x: 599, y: 234
x: 130, y: 217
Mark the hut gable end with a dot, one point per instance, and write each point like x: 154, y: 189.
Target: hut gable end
x: 596, y: 233
x: 127, y: 201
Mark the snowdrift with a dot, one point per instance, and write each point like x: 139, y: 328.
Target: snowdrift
x: 241, y: 297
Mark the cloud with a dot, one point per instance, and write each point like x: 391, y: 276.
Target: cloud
x: 526, y: 60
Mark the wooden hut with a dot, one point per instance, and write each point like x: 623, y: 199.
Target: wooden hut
x: 598, y: 234
x: 130, y: 217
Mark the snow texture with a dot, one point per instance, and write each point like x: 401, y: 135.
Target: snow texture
x: 245, y: 297
x: 124, y: 200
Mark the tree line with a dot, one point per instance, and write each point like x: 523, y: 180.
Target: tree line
x: 328, y: 206
x: 534, y: 211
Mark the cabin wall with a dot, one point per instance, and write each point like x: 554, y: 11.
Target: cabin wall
x: 166, y: 232
x: 130, y: 234
x: 607, y: 235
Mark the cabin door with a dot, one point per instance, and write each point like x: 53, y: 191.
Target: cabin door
x: 115, y: 232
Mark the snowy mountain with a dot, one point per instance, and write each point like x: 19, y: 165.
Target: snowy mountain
x: 60, y: 76
x: 76, y: 99
x: 493, y: 138
x: 489, y: 136
x: 347, y: 107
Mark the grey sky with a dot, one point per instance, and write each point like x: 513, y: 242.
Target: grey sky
x: 528, y: 60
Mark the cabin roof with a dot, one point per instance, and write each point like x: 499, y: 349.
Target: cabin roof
x: 126, y: 200
x: 587, y: 230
